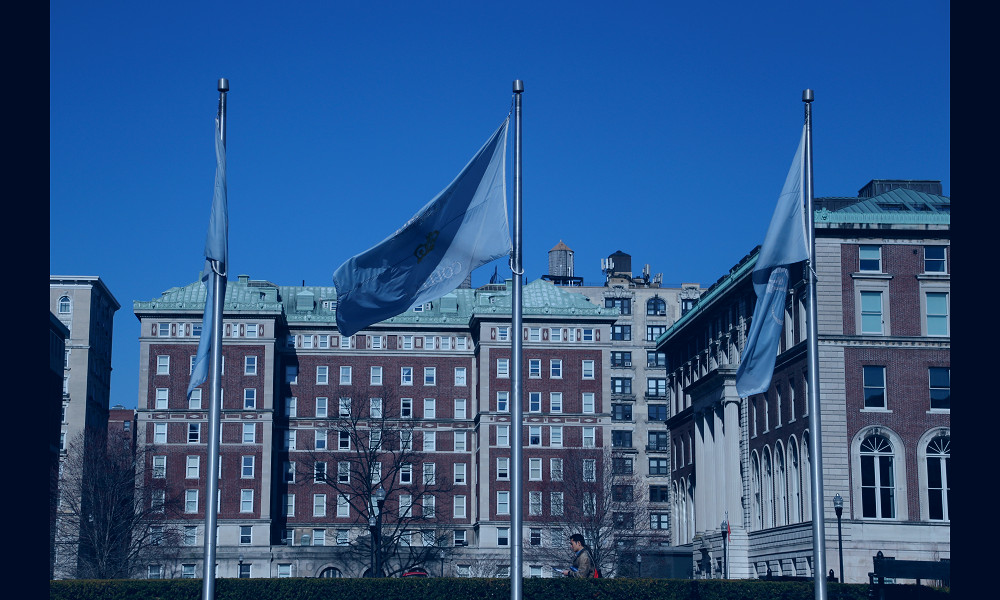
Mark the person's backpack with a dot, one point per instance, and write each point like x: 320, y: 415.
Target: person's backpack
x: 597, y: 571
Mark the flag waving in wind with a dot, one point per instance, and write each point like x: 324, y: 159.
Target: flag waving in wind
x: 462, y: 228
x: 216, y: 257
x: 784, y: 244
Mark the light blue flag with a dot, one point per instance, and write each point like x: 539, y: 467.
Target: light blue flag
x: 784, y: 244
x: 217, y: 252
x: 462, y: 228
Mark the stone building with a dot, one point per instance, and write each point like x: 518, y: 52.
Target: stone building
x: 883, y: 266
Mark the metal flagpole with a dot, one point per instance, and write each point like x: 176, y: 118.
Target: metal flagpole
x: 515, y: 352
x: 215, y: 387
x: 815, y: 439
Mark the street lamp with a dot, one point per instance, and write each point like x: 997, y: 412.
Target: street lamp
x: 442, y: 562
x: 638, y: 562
x: 838, y: 506
x: 375, y: 526
x: 239, y: 573
x: 725, y: 561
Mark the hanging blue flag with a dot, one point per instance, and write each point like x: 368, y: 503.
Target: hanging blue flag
x: 462, y: 228
x: 784, y: 244
x: 217, y: 252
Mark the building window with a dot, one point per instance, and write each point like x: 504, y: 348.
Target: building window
x: 871, y: 312
x: 874, y: 387
x: 556, y: 436
x: 193, y: 467
x: 376, y: 376
x: 319, y: 505
x: 878, y: 486
x: 656, y: 388
x: 503, y: 435
x: 284, y: 570
x: 162, y: 394
x: 292, y: 374
x: 621, y: 412
x: 164, y: 329
x: 406, y: 376
x: 343, y: 537
x: 556, y: 504
x: 503, y: 503
x: 190, y: 537
x: 289, y: 508
x: 343, y: 440
x: 621, y: 359
x: 503, y: 334
x: 460, y: 411
x: 459, y: 507
x: 163, y: 365
x: 154, y: 572
x: 870, y: 258
x: 656, y: 359
x: 503, y: 536
x: 290, y: 440
x: 621, y: 439
x: 249, y: 365
x: 658, y: 441
x: 535, y: 435
x: 194, y: 401
x: 246, y: 534
x: 588, y: 402
x: 653, y: 332
x: 656, y: 307
x: 460, y: 376
x: 320, y: 439
x: 64, y: 309
x: 345, y: 375
x: 503, y: 469
x: 502, y: 401
x: 659, y: 521
x: 321, y: 407
x: 621, y: 385
x: 430, y: 408
x: 940, y: 387
x: 319, y: 537
x: 621, y: 332
x: 289, y: 472
x: 503, y: 368
x: 589, y: 469
x: 345, y: 342
x: 938, y: 484
x: 194, y: 433
x: 534, y: 402
x: 658, y: 493
x: 291, y: 407
x: 322, y: 375
x: 190, y: 501
x: 556, y: 469
x: 460, y: 444
x: 459, y: 474
x: 430, y: 375
x: 159, y: 467
x: 430, y: 441
x: 247, y: 465
x: 937, y: 313
x: 934, y: 261
x: 534, y: 334
x: 249, y: 399
x: 159, y: 433
x: 375, y: 408
x: 587, y: 369
x: 589, y: 437
x: 659, y: 466
x: 555, y: 368
x: 406, y: 408
x: 345, y: 407
x: 249, y: 433
x: 555, y: 402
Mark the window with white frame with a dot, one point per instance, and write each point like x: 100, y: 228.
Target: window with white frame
x: 376, y: 376
x: 375, y: 408
x: 249, y: 433
x: 159, y: 467
x: 407, y: 342
x: 159, y: 433
x: 291, y: 407
x: 288, y: 472
x: 320, y: 439
x: 154, y: 572
x: 938, y: 460
x: 430, y: 441
x: 324, y: 341
x: 555, y: 402
x: 556, y: 503
x: 406, y: 408
x: 64, y: 305
x: 503, y: 435
x: 934, y: 259
x: 345, y: 375
x: 246, y: 467
x: 503, y: 334
x: 503, y: 368
x: 534, y: 368
x: 289, y: 505
x: 158, y: 501
x: 190, y: 501
x: 249, y: 398
x: 343, y: 472
x: 374, y: 439
x: 321, y: 407
x: 503, y: 468
x: 535, y: 435
x: 534, y: 402
x: 871, y: 312
x: 556, y: 469
x: 459, y: 474
x: 534, y: 334
x: 190, y: 536
x: 322, y: 375
x: 292, y: 374
x: 503, y: 503
x: 246, y: 501
x: 406, y: 440
x: 503, y: 536
x: 460, y: 376
x: 319, y: 537
x: 555, y: 368
x: 345, y: 342
x: 556, y: 436
x: 284, y: 570
x: 406, y: 376
x: 534, y: 503
x: 405, y: 505
x: 588, y: 402
x: 460, y: 408
x: 194, y: 400
x: 430, y: 470
x: 377, y: 342
x: 319, y: 472
x: 460, y: 441
x: 319, y: 505
x: 290, y: 440
x: 870, y: 258
x: 534, y: 469
x: 307, y: 341
x: 345, y: 407
x: 555, y: 334
x: 194, y: 433
x: 587, y: 369
x: 937, y: 313
x: 430, y: 408
x: 461, y: 343
x: 503, y: 401
x: 161, y: 398
x: 430, y: 375
x: 343, y: 537
x: 193, y: 467
x: 428, y: 508
x: 458, y: 507
x: 589, y: 469
x: 163, y: 364
x: 343, y: 440
x: 940, y: 387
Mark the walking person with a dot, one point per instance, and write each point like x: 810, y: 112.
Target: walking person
x: 583, y: 560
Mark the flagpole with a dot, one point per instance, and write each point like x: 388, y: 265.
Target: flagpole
x: 518, y: 416
x: 218, y: 295
x: 815, y: 439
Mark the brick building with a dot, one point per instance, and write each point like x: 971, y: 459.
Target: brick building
x: 314, y: 423
x: 883, y: 264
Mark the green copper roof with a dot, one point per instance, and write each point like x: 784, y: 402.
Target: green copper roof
x: 897, y: 206
x: 318, y: 303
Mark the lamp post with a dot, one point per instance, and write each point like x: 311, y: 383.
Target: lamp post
x: 838, y: 506
x: 239, y: 573
x: 725, y: 557
x: 442, y: 555
x: 638, y: 562
x: 375, y: 526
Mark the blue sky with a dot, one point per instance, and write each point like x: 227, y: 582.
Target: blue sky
x: 664, y: 130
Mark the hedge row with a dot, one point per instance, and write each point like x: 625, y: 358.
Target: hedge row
x: 477, y: 589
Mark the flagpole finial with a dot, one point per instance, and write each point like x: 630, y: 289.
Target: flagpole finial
x: 518, y: 86
x: 807, y: 95
x: 223, y: 84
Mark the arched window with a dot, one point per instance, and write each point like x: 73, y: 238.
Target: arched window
x: 794, y: 481
x: 806, y: 486
x: 330, y: 572
x: 767, y: 487
x: 780, y: 489
x: 938, y: 484
x: 656, y: 307
x: 756, y: 509
x: 878, y: 485
x: 64, y: 305
x: 689, y: 504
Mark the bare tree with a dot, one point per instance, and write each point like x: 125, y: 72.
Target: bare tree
x: 109, y: 523
x: 375, y: 445
x: 605, y: 501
